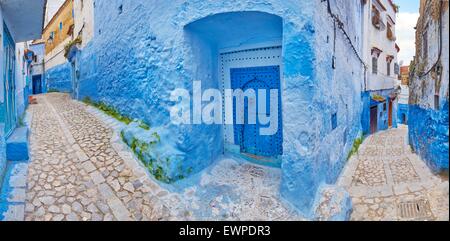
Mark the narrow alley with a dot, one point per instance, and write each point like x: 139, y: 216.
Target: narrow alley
x: 246, y: 110
x: 75, y: 173
x: 387, y: 182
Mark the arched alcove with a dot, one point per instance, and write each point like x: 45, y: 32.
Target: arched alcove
x: 247, y: 41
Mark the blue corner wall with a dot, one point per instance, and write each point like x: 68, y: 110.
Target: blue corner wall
x: 428, y: 135
x: 140, y: 54
x: 59, y: 78
x: 365, y: 116
x: 2, y: 152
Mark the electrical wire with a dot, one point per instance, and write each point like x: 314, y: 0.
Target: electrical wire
x: 340, y: 25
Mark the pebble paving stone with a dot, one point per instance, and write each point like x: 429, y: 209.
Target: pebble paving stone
x: 80, y: 170
x: 385, y: 176
x: 76, y: 174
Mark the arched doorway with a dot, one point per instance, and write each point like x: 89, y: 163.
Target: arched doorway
x: 241, y: 50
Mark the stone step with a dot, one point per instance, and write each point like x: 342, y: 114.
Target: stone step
x: 17, y: 145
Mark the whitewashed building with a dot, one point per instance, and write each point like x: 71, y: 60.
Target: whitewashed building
x: 380, y: 87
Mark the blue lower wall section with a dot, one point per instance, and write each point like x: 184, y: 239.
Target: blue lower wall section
x: 365, y: 116
x: 59, y: 78
x: 382, y: 111
x: 2, y: 153
x: 428, y: 135
x: 134, y: 69
x: 402, y: 114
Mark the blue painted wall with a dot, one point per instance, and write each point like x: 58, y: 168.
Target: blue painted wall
x: 2, y: 152
x: 383, y: 115
x: 365, y: 116
x: 59, y: 78
x: 428, y: 135
x: 138, y: 57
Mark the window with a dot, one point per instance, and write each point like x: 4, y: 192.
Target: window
x: 334, y: 121
x: 396, y: 68
x: 390, y: 34
x: 60, y: 26
x: 436, y: 102
x: 374, y: 65
x: 384, y: 106
x: 376, y: 17
x: 425, y: 45
x: 375, y: 55
x: 388, y: 71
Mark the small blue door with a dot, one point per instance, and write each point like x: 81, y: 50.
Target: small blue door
x: 9, y: 81
x: 248, y: 135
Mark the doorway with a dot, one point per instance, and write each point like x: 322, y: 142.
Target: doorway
x: 240, y: 50
x: 390, y: 114
x: 75, y: 80
x: 9, y: 81
x: 373, y: 119
x: 248, y: 135
x: 253, y: 68
x: 37, y: 84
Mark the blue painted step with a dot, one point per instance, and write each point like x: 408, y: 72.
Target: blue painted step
x: 17, y: 145
x: 13, y: 192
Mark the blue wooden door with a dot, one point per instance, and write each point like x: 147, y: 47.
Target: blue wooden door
x: 9, y: 81
x: 248, y: 135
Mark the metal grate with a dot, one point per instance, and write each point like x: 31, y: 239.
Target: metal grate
x: 418, y: 210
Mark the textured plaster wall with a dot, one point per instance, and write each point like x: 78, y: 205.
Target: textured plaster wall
x: 2, y: 153
x: 428, y: 135
x: 59, y: 78
x: 313, y: 92
x: 2, y: 127
x: 84, y: 20
x: 21, y: 80
x: 2, y: 91
x: 428, y: 120
x: 138, y: 57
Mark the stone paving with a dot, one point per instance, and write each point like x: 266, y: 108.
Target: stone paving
x: 387, y: 181
x: 81, y: 170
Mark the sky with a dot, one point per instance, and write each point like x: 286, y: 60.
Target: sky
x: 52, y: 8
x: 406, y: 21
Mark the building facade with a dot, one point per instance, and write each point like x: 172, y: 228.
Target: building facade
x: 38, y: 84
x: 58, y: 32
x: 142, y: 51
x: 61, y: 65
x: 380, y: 89
x: 428, y: 114
x: 20, y: 21
x: 403, y: 99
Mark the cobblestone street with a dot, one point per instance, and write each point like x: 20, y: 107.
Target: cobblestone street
x: 74, y: 173
x: 388, y: 182
x: 80, y: 170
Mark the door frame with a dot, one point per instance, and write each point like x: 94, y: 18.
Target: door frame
x: 390, y: 114
x: 9, y: 80
x: 373, y: 120
x: 225, y: 56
